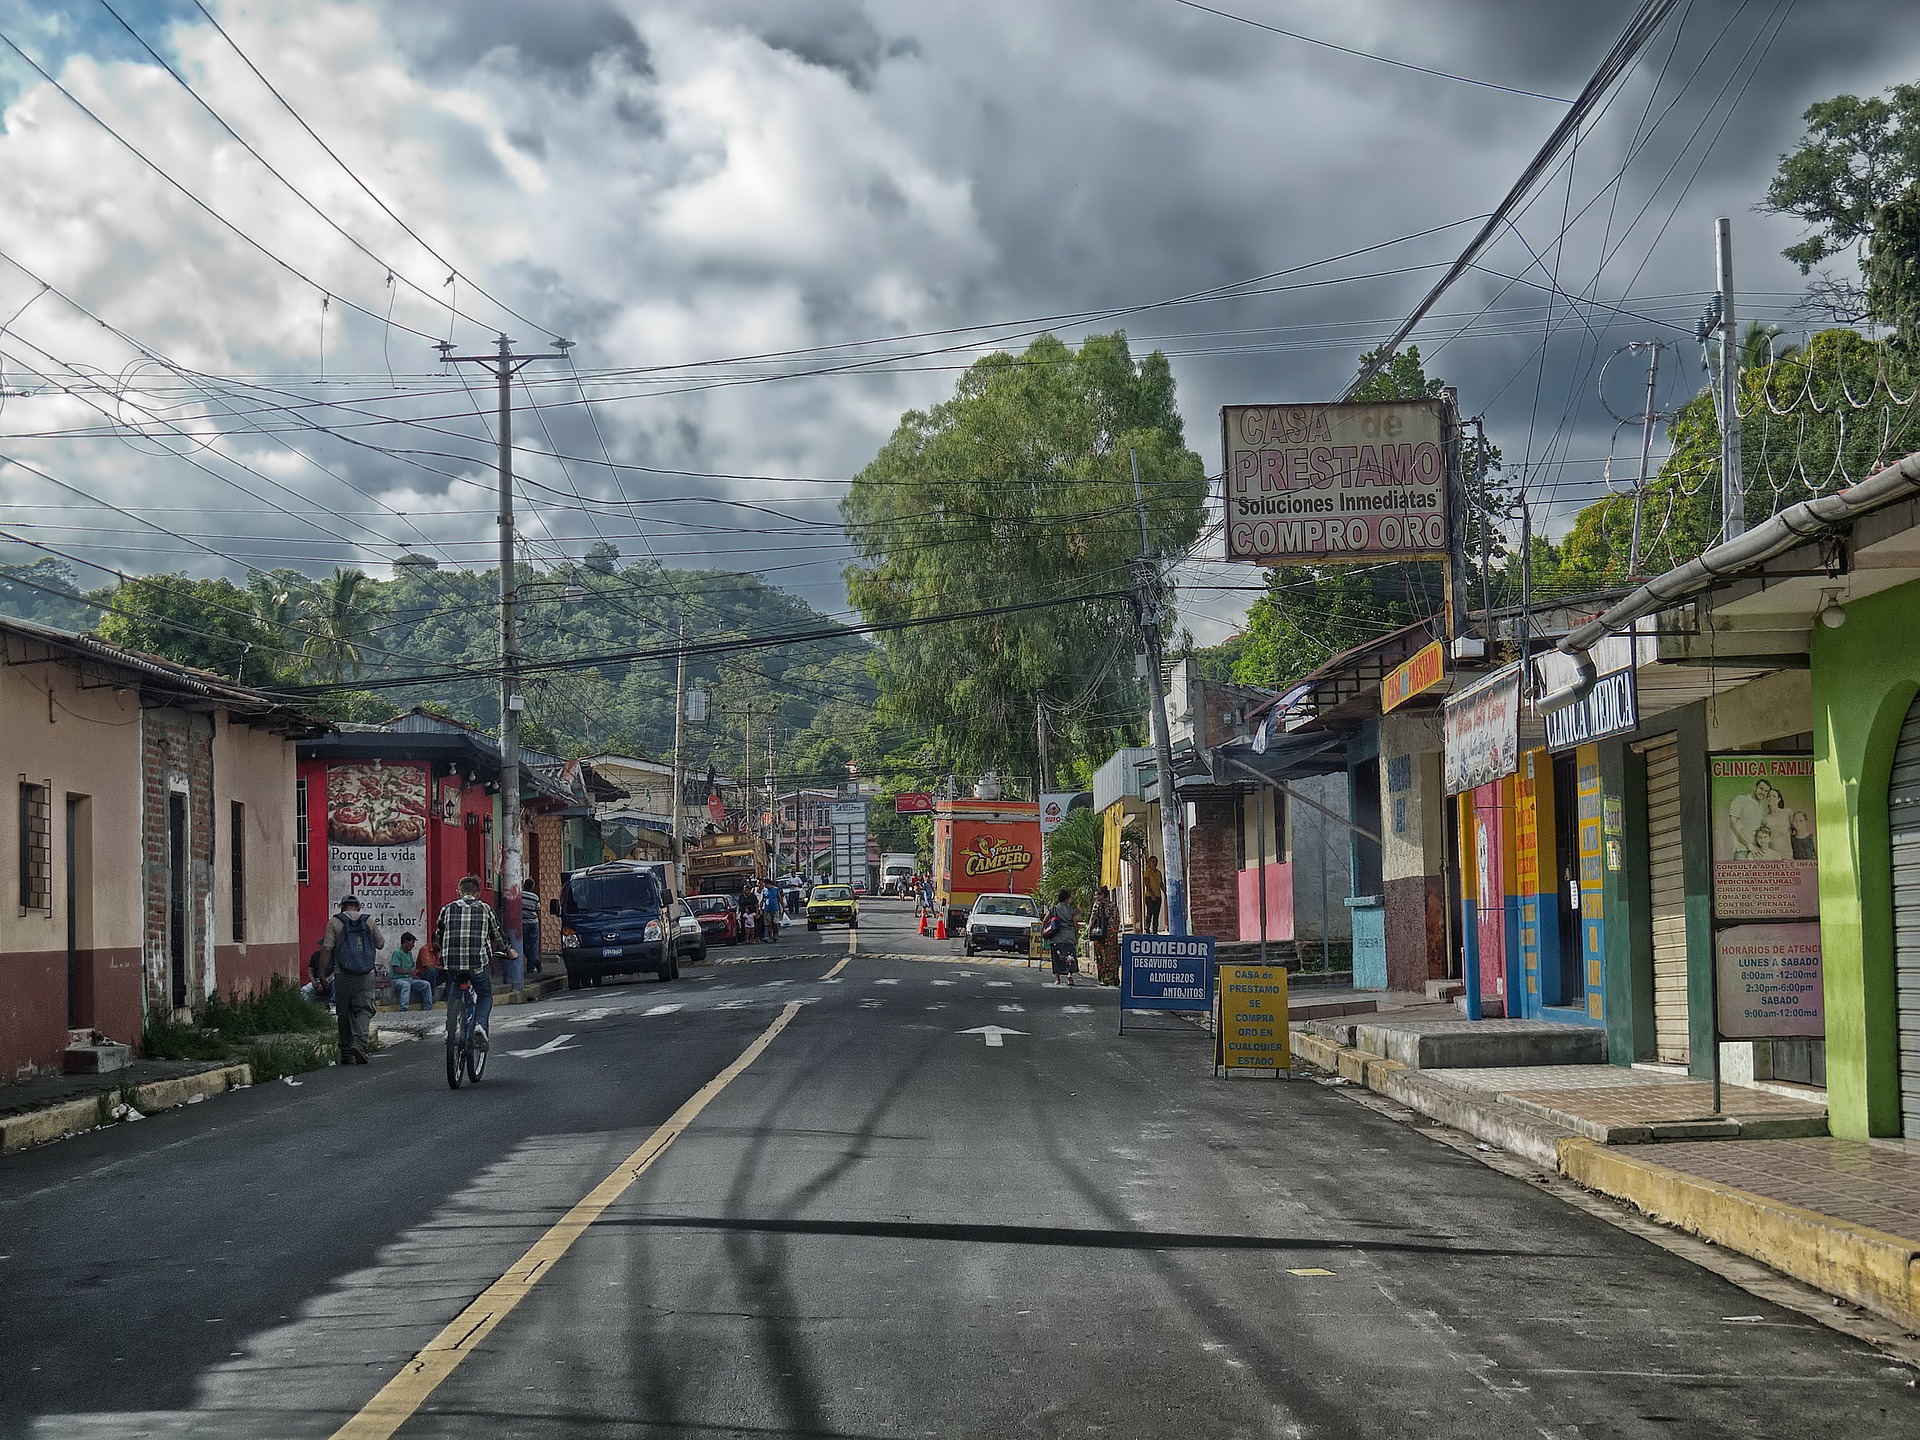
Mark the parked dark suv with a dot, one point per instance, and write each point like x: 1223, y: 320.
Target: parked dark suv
x: 615, y: 920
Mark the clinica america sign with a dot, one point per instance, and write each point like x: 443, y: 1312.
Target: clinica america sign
x: 1320, y: 484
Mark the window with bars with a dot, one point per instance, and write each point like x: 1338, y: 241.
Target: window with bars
x: 300, y: 832
x: 36, y: 846
x: 237, y: 858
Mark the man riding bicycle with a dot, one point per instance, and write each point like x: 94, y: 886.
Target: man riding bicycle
x: 467, y: 936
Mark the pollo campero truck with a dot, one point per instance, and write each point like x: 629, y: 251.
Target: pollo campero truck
x: 982, y: 847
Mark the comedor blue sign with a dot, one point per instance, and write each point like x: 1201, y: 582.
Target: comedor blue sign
x: 1166, y: 972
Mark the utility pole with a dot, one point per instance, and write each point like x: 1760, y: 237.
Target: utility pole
x: 678, y: 847
x: 1646, y: 454
x: 746, y: 780
x: 1458, y: 593
x: 1733, y: 493
x: 1040, y: 777
x: 503, y: 365
x: 1147, y: 600
x: 1486, y: 526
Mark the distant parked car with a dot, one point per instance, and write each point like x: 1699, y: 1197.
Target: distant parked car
x: 719, y: 918
x: 1001, y: 922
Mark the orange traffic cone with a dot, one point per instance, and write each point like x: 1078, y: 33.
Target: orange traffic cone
x: 923, y: 922
x: 940, y: 928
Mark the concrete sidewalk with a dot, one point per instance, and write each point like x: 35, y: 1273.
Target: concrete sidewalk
x: 50, y: 1107
x: 1761, y: 1178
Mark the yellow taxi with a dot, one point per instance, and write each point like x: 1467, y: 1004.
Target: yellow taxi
x: 833, y: 905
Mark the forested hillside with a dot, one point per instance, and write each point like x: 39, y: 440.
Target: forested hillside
x: 813, y: 700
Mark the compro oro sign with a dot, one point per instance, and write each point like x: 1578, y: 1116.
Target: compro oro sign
x: 1319, y: 483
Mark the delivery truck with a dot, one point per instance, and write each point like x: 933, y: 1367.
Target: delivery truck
x: 982, y: 847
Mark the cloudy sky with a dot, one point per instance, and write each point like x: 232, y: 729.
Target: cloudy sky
x: 769, y: 226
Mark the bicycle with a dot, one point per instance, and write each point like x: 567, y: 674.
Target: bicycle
x: 463, y: 1008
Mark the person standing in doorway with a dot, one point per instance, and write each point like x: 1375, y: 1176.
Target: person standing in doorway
x: 1153, y: 889
x: 348, y: 953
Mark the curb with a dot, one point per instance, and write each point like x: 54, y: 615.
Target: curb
x: 70, y: 1117
x: 1871, y: 1268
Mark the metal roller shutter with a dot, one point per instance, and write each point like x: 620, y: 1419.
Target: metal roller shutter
x: 1903, y: 813
x: 1667, y: 901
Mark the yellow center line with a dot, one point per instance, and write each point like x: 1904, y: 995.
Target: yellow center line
x: 401, y: 1396
x: 837, y: 968
x: 853, y: 940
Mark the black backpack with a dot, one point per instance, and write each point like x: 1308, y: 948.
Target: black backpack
x: 355, y: 953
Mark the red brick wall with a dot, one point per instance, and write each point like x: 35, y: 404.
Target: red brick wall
x: 175, y: 745
x: 1213, y: 879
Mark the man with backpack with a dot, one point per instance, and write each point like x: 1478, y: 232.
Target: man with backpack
x: 348, y: 952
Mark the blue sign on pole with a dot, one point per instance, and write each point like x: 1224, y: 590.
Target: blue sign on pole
x: 1166, y: 972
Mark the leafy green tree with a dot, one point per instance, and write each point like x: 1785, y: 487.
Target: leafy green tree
x: 1857, y: 156
x: 1073, y: 858
x: 337, y: 618
x: 1893, y: 271
x: 209, y: 624
x: 1017, y: 489
x: 44, y: 591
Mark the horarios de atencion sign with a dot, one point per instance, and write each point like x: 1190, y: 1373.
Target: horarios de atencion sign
x: 1320, y: 484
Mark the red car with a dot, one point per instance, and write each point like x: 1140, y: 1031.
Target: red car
x: 719, y: 917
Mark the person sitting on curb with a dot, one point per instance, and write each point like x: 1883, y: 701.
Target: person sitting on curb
x: 407, y: 984
x: 348, y: 952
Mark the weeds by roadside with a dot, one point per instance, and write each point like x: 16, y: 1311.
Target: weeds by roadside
x: 278, y: 1032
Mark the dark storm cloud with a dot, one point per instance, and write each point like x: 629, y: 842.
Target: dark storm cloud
x: 558, y: 36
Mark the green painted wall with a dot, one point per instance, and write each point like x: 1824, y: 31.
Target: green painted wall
x: 1865, y: 675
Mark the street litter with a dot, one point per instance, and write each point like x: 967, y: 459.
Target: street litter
x: 289, y: 1080
x: 1482, y: 1145
x: 195, y: 1099
x: 126, y: 1112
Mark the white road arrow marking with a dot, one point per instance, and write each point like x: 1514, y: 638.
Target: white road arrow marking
x: 1076, y: 1009
x: 992, y: 1032
x: 558, y: 1043
x: 1000, y: 984
x: 943, y: 982
x: 886, y: 982
x: 964, y: 974
x: 871, y: 1004
x: 771, y: 983
x: 664, y: 1009
x: 599, y: 1013
x: 1014, y: 1009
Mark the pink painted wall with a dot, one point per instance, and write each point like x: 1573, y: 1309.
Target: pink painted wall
x: 1279, y: 879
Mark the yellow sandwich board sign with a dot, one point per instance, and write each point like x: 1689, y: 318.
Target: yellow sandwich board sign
x: 1252, y: 1033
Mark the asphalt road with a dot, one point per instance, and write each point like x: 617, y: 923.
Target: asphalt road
x: 883, y: 1226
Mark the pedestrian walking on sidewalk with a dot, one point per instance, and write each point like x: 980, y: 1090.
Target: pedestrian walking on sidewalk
x: 406, y: 979
x: 1153, y: 889
x: 1103, y: 936
x: 348, y: 952
x: 466, y: 937
x: 770, y: 908
x: 1061, y: 931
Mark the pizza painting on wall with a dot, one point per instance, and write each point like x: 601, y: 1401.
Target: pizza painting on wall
x: 376, y: 804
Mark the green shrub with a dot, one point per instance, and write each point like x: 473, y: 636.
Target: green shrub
x: 280, y: 1009
x: 164, y: 1040
x: 286, y: 1055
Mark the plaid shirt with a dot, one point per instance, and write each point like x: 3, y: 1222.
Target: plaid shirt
x: 468, y: 935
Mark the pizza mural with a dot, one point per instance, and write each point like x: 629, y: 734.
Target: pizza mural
x: 377, y: 843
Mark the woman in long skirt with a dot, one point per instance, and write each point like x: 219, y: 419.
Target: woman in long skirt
x: 1103, y: 935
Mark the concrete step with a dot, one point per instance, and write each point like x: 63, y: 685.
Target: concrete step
x: 1445, y: 989
x: 97, y: 1057
x: 1425, y: 1043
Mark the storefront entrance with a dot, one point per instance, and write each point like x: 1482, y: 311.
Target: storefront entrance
x: 1903, y: 816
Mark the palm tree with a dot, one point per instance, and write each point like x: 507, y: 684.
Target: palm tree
x: 338, y: 616
x: 275, y: 612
